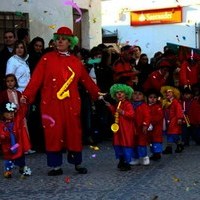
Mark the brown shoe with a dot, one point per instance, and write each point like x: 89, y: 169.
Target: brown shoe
x: 7, y: 174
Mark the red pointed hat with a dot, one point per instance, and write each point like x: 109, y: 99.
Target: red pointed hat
x: 64, y: 31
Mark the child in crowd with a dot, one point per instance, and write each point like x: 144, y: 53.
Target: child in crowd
x: 156, y: 126
x: 173, y: 115
x: 142, y: 122
x: 11, y: 94
x: 187, y: 99
x: 13, y: 139
x: 123, y: 128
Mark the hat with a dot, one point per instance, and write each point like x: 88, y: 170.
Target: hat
x: 163, y: 63
x: 165, y: 89
x: 65, y: 31
x: 7, y: 107
x: 121, y: 88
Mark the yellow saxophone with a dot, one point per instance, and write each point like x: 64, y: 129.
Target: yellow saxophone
x: 115, y: 126
x: 187, y: 120
x: 63, y: 92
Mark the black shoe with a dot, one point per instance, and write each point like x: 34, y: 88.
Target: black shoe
x: 54, y: 172
x: 125, y: 167
x: 81, y: 170
x: 121, y: 163
x: 179, y: 148
x: 155, y: 157
x: 168, y: 150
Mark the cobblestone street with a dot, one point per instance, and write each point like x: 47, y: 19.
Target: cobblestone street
x: 175, y: 177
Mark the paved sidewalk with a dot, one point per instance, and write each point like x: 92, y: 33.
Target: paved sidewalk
x: 175, y: 177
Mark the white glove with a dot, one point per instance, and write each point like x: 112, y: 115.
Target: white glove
x: 150, y: 128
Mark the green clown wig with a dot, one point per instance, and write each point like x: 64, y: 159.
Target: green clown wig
x: 121, y: 88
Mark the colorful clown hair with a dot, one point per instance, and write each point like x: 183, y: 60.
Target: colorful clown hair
x: 73, y: 39
x: 175, y: 91
x: 121, y: 88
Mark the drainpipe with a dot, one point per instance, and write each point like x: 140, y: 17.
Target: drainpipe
x: 197, y: 35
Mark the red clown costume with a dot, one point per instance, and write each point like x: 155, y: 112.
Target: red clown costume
x: 189, y: 71
x: 13, y: 138
x: 20, y: 133
x: 57, y: 76
x: 123, y: 137
x: 155, y: 80
x: 156, y: 127
x: 142, y: 122
x: 173, y: 114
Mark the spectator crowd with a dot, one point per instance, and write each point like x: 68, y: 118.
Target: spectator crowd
x: 142, y: 101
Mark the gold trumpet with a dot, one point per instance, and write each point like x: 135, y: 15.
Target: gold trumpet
x: 63, y: 92
x: 115, y: 126
x: 187, y: 120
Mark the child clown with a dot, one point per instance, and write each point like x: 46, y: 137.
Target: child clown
x: 123, y: 128
x: 13, y: 139
x: 173, y: 114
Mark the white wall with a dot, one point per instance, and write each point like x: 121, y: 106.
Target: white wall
x: 45, y: 13
x: 151, y: 38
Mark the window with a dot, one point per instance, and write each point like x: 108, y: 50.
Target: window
x: 77, y: 26
x: 12, y: 21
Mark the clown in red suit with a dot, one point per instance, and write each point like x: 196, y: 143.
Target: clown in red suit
x: 123, y: 69
x: 173, y: 115
x: 156, y: 126
x: 123, y: 138
x: 142, y: 122
x: 157, y: 79
x: 189, y: 71
x: 13, y: 138
x: 57, y: 76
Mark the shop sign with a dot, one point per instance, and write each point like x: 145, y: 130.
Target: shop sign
x: 158, y: 16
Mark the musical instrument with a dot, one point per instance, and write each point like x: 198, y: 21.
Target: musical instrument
x: 187, y: 120
x: 115, y: 126
x: 166, y: 103
x: 63, y: 92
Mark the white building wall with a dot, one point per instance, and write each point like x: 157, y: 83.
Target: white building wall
x: 151, y: 38
x: 46, y: 14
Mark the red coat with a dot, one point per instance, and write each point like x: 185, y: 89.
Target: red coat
x: 174, y: 112
x: 125, y: 135
x: 4, y: 96
x: 21, y: 136
x: 189, y: 74
x: 142, y: 118
x: 156, y: 114
x: 60, y: 118
x: 194, y: 112
x: 154, y: 81
x: 123, y: 72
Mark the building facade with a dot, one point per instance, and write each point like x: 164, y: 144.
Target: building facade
x: 152, y: 37
x: 43, y: 17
